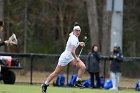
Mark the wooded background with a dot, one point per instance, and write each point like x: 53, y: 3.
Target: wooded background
x: 43, y: 26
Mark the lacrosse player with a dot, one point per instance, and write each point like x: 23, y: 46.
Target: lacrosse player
x: 1, y: 29
x: 69, y: 56
x: 12, y: 40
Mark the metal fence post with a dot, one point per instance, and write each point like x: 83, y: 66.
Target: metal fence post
x: 68, y: 74
x: 31, y: 69
x: 104, y: 69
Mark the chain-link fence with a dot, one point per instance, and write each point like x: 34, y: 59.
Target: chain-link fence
x: 36, y: 67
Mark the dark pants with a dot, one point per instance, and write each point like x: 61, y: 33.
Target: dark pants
x: 97, y: 76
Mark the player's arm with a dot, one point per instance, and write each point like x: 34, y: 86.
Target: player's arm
x: 2, y: 43
x: 73, y: 52
x: 6, y: 42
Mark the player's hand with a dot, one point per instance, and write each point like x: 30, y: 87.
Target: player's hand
x: 6, y: 42
x: 77, y: 59
x: 82, y: 44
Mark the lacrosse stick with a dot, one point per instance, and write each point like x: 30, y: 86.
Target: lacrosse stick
x: 13, y: 40
x: 85, y: 39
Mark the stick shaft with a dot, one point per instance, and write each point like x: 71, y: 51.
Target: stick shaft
x: 82, y: 48
x: 80, y: 51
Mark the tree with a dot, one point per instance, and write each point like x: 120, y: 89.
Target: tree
x: 106, y: 25
x: 48, y: 21
x: 93, y: 22
x: 65, y: 11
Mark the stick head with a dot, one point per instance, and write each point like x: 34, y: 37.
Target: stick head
x: 13, y: 39
x: 85, y: 38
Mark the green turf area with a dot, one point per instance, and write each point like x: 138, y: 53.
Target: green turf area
x: 37, y: 89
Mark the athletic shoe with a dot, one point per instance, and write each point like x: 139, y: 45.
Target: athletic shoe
x: 44, y: 88
x: 78, y: 84
x: 113, y: 89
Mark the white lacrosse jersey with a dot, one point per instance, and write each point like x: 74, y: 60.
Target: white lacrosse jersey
x: 73, y: 40
x: 66, y: 56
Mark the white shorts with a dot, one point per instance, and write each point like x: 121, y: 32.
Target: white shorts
x: 65, y: 58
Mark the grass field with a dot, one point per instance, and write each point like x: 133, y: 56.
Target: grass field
x: 37, y: 89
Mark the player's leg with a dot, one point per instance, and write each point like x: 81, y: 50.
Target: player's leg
x: 57, y: 70
x: 81, y: 69
x: 55, y: 73
x: 0, y: 67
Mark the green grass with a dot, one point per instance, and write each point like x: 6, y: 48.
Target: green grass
x: 36, y: 89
